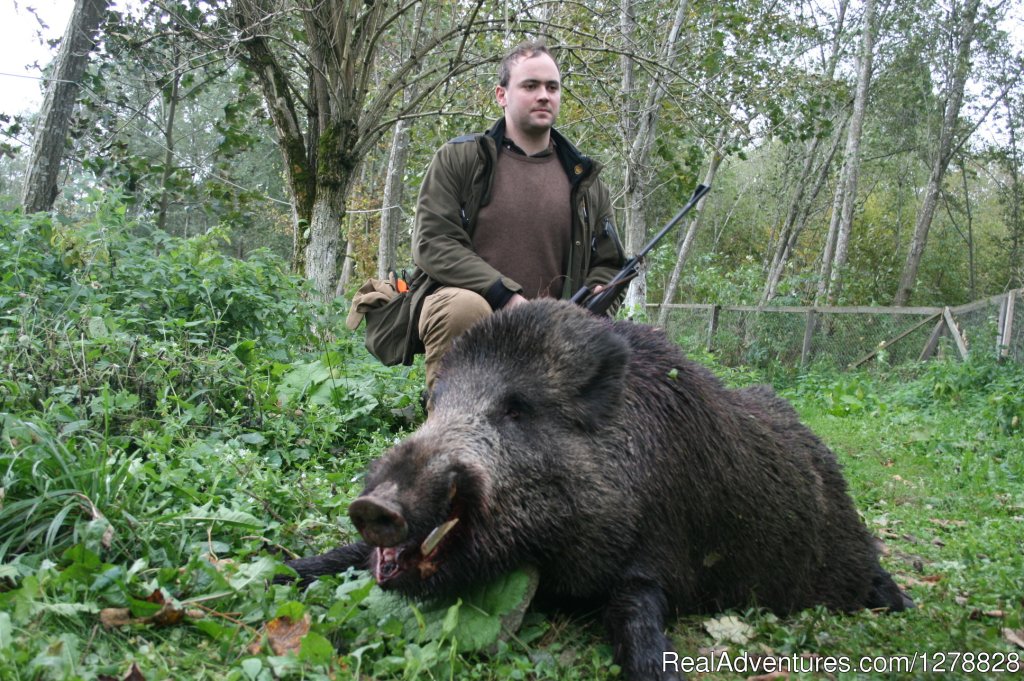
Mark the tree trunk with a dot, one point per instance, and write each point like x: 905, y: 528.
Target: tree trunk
x: 391, y: 212
x: 800, y: 205
x: 639, y: 140
x: 969, y: 235
x: 796, y: 218
x: 172, y: 105
x: 273, y: 81
x: 942, y: 153
x: 58, y: 105
x: 1014, y: 201
x: 686, y: 243
x: 347, y: 269
x: 323, y: 247
x: 851, y: 157
x: 394, y: 185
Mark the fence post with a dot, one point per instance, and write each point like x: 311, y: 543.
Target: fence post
x: 1006, y: 325
x: 805, y: 351
x: 955, y: 332
x: 712, y: 326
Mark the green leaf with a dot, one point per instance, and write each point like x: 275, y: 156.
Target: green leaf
x: 246, y: 352
x: 315, y: 649
x: 6, y: 631
x: 228, y: 517
x: 473, y: 621
x: 292, y: 610
x: 255, y: 572
x: 97, y: 328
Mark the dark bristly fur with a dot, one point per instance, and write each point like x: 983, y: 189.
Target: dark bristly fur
x: 624, y: 472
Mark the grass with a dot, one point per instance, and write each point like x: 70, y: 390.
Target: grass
x: 943, y: 496
x: 164, y: 449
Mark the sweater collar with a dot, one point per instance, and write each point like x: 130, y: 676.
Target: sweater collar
x: 576, y: 165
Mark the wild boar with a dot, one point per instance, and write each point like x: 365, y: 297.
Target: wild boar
x: 624, y: 473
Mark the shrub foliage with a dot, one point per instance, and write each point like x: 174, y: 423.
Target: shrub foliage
x: 175, y: 422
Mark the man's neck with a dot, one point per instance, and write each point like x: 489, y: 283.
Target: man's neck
x: 528, y: 143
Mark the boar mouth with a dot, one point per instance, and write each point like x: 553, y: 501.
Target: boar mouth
x: 391, y: 562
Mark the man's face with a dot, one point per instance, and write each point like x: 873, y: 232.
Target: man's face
x: 533, y: 95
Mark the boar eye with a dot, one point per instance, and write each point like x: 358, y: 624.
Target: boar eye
x: 515, y: 408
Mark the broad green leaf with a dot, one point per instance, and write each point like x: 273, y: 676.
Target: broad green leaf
x: 315, y: 649
x: 473, y: 620
x: 228, y: 517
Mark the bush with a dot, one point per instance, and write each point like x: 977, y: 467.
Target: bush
x: 140, y: 369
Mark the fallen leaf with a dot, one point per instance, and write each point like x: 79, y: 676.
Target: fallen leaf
x: 729, y: 628
x: 1014, y: 636
x: 112, y: 618
x: 769, y: 677
x: 285, y: 634
x: 134, y: 674
x: 167, y: 616
x: 108, y: 537
x: 944, y: 522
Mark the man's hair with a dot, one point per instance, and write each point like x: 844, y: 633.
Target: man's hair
x: 525, y: 50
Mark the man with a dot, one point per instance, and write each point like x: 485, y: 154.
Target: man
x: 511, y: 214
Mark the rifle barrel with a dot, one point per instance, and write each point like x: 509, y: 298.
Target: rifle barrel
x: 598, y: 303
x: 698, y: 194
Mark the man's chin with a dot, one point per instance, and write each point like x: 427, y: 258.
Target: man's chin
x: 541, y: 123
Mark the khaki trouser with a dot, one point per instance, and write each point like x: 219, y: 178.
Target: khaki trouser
x: 445, y: 314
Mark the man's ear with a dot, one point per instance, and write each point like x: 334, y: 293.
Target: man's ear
x: 500, y: 94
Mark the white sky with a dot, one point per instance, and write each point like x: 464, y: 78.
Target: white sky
x: 21, y: 46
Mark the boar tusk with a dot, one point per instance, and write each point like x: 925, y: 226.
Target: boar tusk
x: 435, y: 537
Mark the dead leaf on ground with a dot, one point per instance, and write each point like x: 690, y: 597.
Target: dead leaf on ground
x: 924, y: 580
x: 945, y: 522
x: 283, y: 634
x: 134, y: 674
x: 167, y: 616
x: 112, y: 618
x: 729, y: 628
x: 1014, y: 636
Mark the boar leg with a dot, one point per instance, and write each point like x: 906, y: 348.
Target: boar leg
x: 635, y: 619
x: 355, y: 555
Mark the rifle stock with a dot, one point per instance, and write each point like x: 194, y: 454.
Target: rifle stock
x: 599, y: 302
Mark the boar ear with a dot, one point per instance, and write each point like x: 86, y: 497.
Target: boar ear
x: 600, y: 379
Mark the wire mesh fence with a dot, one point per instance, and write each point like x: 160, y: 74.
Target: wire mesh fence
x: 845, y: 337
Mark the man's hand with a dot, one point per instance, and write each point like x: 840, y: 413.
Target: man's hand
x: 516, y: 299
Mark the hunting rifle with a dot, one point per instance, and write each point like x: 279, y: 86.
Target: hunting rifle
x: 599, y: 302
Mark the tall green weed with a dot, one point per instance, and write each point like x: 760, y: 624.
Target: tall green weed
x: 141, y: 371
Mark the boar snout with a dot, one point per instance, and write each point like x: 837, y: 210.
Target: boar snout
x: 379, y: 521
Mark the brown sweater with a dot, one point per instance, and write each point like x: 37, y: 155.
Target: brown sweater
x: 524, y: 231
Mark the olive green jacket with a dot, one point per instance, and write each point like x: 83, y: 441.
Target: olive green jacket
x: 458, y: 183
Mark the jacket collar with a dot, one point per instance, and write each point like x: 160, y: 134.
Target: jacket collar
x: 576, y: 165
